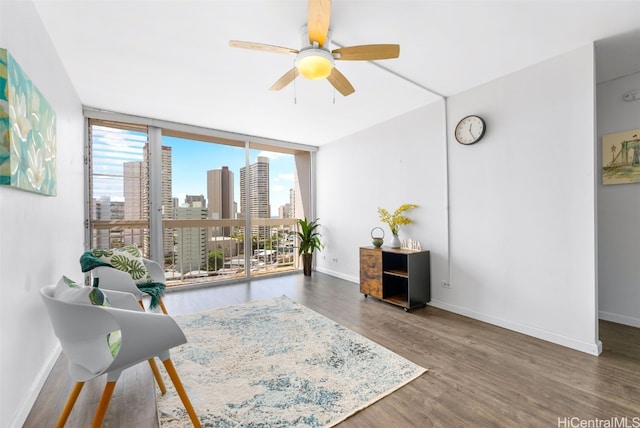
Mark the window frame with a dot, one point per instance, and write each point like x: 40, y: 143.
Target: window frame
x: 155, y: 130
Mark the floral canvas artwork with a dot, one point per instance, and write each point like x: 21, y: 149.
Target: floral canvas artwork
x: 621, y: 157
x: 27, y: 132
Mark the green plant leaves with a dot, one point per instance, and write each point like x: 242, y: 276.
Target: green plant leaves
x: 308, y: 236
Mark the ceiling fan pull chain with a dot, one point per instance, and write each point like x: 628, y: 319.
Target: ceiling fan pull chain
x: 295, y: 88
x: 295, y: 93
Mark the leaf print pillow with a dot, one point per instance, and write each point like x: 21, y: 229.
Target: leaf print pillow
x: 127, y: 259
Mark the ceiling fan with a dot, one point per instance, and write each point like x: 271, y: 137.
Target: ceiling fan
x: 314, y: 60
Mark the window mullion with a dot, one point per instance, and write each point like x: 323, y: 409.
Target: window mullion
x: 156, y: 230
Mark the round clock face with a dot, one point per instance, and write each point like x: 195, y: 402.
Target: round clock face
x: 470, y: 130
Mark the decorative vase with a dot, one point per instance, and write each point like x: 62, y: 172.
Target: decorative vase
x: 377, y: 241
x: 395, y: 242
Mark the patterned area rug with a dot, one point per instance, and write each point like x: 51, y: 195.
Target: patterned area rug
x: 276, y: 363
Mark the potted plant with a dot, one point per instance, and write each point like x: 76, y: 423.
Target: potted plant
x: 395, y: 220
x: 309, y: 241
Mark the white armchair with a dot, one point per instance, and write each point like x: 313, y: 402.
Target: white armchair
x: 114, y: 279
x: 82, y: 328
x: 124, y: 269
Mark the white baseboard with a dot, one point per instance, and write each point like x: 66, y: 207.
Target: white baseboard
x: 339, y: 275
x: 620, y: 319
x: 587, y: 347
x: 22, y: 413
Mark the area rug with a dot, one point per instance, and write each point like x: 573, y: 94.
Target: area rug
x: 276, y: 363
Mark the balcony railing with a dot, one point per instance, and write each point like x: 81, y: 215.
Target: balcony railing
x: 118, y: 233
x: 199, y: 251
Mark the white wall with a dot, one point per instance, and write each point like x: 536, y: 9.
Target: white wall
x: 618, y: 208
x: 41, y: 238
x: 397, y: 162
x: 522, y: 205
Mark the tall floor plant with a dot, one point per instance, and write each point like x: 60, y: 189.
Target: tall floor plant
x: 308, y: 241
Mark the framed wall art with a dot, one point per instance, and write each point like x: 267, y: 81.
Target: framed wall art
x: 621, y: 157
x: 27, y: 132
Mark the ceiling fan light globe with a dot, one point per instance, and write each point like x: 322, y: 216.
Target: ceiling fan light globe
x: 314, y: 64
x: 315, y: 67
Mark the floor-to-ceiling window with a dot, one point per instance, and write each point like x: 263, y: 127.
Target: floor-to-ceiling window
x: 227, y: 206
x: 268, y: 186
x: 118, y: 186
x: 208, y: 239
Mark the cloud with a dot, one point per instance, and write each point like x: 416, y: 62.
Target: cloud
x: 270, y: 155
x: 285, y: 176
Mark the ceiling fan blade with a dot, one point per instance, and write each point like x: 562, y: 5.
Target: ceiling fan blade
x: 261, y: 47
x: 318, y: 19
x: 340, y: 82
x: 367, y: 52
x: 286, y: 78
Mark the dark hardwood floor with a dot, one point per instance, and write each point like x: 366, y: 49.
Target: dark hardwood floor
x: 479, y: 375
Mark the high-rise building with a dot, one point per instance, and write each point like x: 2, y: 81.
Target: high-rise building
x: 136, y: 196
x: 288, y: 210
x: 220, y: 194
x: 292, y: 203
x: 136, y: 204
x: 191, y: 242
x: 258, y: 185
x: 283, y: 211
x: 106, y: 209
x: 134, y: 186
x: 166, y: 196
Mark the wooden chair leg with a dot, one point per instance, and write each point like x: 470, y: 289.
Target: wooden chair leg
x: 171, y: 370
x: 69, y: 404
x: 157, y: 375
x: 164, y: 309
x: 104, y: 403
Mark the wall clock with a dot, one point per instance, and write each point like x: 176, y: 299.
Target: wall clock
x: 470, y: 130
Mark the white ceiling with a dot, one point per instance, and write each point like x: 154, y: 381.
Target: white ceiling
x: 171, y: 60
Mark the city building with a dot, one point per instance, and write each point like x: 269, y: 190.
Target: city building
x: 292, y: 203
x: 167, y: 198
x: 284, y: 211
x: 220, y: 192
x: 135, y: 191
x: 191, y: 242
x: 258, y: 182
x: 103, y: 208
x: 195, y: 201
x: 136, y: 197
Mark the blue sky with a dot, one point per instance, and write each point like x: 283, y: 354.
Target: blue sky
x: 192, y: 159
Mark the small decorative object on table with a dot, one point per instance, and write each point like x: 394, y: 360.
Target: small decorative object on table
x: 377, y: 240
x: 411, y: 244
x: 396, y: 220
